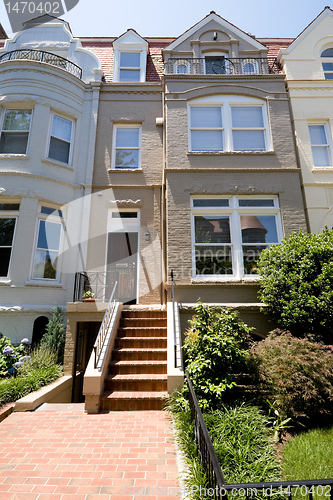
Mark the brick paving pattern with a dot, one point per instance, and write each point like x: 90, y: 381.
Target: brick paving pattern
x: 69, y: 455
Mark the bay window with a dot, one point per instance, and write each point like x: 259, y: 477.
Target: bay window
x: 60, y: 139
x: 229, y: 234
x: 15, y: 131
x: 8, y: 218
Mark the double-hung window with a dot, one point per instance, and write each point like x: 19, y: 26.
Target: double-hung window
x: 48, y: 244
x: 126, y: 150
x: 327, y: 63
x: 61, y: 138
x: 229, y: 124
x: 8, y: 217
x: 229, y: 234
x: 320, y: 144
x: 15, y: 131
x: 129, y: 67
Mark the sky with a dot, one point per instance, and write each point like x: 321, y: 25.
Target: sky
x: 262, y: 18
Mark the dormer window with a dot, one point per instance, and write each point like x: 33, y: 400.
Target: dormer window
x: 129, y: 68
x: 130, y: 58
x: 327, y: 62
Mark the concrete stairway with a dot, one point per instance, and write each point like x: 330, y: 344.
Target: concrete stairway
x: 137, y: 378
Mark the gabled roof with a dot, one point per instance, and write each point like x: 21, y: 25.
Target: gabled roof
x: 212, y: 16
x: 326, y: 12
x: 130, y: 36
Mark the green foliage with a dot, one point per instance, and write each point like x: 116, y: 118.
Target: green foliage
x: 214, y: 348
x: 242, y: 442
x: 296, y: 373
x: 297, y: 283
x: 7, y: 361
x: 39, y: 371
x: 309, y: 456
x: 54, y: 337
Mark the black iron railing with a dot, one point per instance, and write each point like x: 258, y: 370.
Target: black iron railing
x: 103, y: 331
x: 99, y: 283
x: 313, y: 489
x: 45, y: 57
x: 222, y: 66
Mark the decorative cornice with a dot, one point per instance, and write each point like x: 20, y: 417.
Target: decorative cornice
x: 124, y: 203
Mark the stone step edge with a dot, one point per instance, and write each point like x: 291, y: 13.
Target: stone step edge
x: 142, y: 377
x: 138, y: 362
x: 133, y: 395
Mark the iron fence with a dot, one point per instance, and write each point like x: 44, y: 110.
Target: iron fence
x: 222, y: 66
x: 45, y: 57
x: 99, y: 283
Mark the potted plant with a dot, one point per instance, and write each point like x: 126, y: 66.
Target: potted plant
x: 88, y: 296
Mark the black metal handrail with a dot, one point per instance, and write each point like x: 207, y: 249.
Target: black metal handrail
x: 44, y: 57
x: 223, y: 66
x: 218, y: 489
x: 104, y: 328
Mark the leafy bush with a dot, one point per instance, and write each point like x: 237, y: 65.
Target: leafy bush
x: 215, y: 348
x: 54, y: 337
x: 243, y: 445
x: 296, y: 373
x: 39, y: 371
x: 297, y: 283
x: 10, y: 355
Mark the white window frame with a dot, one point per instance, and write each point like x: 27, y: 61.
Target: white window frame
x: 181, y: 62
x: 234, y: 211
x: 116, y: 127
x: 28, y: 131
x: 71, y: 143
x: 10, y: 214
x: 328, y: 144
x: 53, y: 219
x: 226, y: 103
x: 255, y: 66
x: 135, y: 49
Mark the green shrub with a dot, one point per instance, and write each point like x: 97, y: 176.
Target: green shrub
x: 243, y: 445
x: 54, y: 337
x: 296, y: 373
x: 297, y: 283
x: 8, y: 359
x: 215, y: 348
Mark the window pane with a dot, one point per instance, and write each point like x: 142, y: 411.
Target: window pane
x: 327, y: 53
x: 250, y: 258
x: 127, y: 158
x: 206, y: 140
x: 129, y: 75
x: 14, y: 143
x: 181, y: 69
x: 4, y: 261
x: 61, y: 128
x: 317, y: 134
x: 328, y: 76
x: 211, y: 203
x: 49, y: 235
x: 212, y: 229
x: 7, y: 227
x: 213, y: 260
x: 215, y: 65
x: 129, y: 60
x: 9, y: 206
x: 59, y: 150
x: 17, y: 119
x: 328, y: 66
x: 127, y: 138
x: 259, y: 229
x: 45, y: 265
x: 250, y: 68
x: 206, y: 117
x: 124, y: 215
x: 49, y: 211
x: 320, y: 156
x: 256, y: 203
x: 249, y: 140
x: 247, y: 116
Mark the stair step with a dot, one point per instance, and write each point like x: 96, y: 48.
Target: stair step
x: 142, y: 332
x: 141, y: 400
x: 142, y: 342
x: 136, y: 382
x: 143, y: 314
x: 137, y: 367
x: 143, y: 322
x: 137, y: 354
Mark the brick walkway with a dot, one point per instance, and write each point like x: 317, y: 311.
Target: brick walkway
x: 68, y: 455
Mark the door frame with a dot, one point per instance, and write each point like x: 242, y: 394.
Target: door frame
x: 124, y: 225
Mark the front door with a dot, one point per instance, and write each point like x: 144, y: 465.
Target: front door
x: 122, y: 265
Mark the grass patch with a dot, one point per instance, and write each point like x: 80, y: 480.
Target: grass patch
x: 41, y: 370
x: 309, y: 455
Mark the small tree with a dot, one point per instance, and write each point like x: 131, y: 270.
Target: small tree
x: 297, y: 283
x: 215, y: 348
x: 54, y: 337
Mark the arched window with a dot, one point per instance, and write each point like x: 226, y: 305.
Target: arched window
x: 250, y: 67
x: 327, y: 63
x: 38, y: 330
x: 182, y: 67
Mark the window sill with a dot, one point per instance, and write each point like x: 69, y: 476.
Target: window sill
x: 5, y: 282
x: 322, y: 170
x: 47, y: 284
x: 125, y: 170
x: 13, y: 156
x: 226, y: 280
x: 230, y: 153
x: 57, y: 163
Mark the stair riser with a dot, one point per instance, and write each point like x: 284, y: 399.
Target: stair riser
x: 137, y: 369
x: 144, y: 314
x: 142, y: 332
x: 139, y: 356
x: 131, y: 404
x: 136, y: 385
x: 143, y: 322
x: 148, y: 343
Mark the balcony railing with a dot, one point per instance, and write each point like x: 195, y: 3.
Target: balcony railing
x: 44, y: 57
x: 222, y: 66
